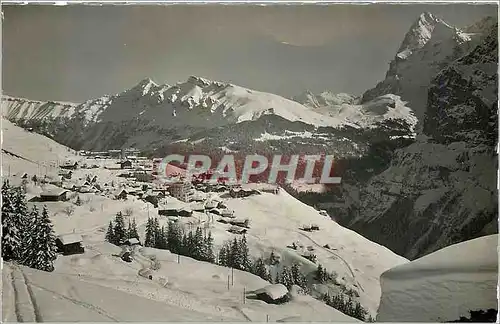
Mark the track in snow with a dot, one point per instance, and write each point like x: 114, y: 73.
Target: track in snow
x: 26, y: 308
x: 81, y: 303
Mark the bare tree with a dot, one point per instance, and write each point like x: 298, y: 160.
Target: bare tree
x: 128, y: 212
x: 69, y: 210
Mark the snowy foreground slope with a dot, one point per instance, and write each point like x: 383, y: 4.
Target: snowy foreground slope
x: 100, y: 287
x: 24, y: 151
x: 444, y: 285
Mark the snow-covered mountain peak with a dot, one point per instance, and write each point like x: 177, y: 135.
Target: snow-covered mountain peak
x: 420, y: 33
x: 145, y: 86
x: 202, y: 82
x: 324, y: 99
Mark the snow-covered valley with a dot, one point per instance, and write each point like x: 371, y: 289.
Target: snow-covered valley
x: 409, y: 234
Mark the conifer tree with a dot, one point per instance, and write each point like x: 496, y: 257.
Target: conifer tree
x: 244, y: 254
x: 149, y: 240
x: 132, y: 230
x: 11, y: 235
x: 259, y: 269
x: 161, y: 242
x: 235, y: 259
x: 208, y: 248
x: 156, y: 231
x: 119, y: 229
x: 224, y: 255
x: 110, y: 234
x: 297, y: 277
x: 198, y: 245
x: 184, y: 246
x: 286, y: 277
x: 42, y: 250
x: 321, y: 275
x: 174, y: 237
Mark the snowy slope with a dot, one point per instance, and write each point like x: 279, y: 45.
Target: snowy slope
x: 444, y: 285
x: 275, y: 221
x: 368, y: 115
x: 98, y: 286
x: 190, y: 290
x: 24, y: 151
x: 324, y: 99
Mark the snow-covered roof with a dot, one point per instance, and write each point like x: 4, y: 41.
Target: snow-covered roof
x: 236, y: 228
x: 53, y: 192
x: 70, y: 238
x: 226, y: 211
x: 133, y: 241
x: 275, y: 291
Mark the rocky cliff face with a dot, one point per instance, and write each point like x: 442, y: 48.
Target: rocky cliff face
x: 441, y: 189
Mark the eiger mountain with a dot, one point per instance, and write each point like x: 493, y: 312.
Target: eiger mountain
x: 417, y: 152
x: 428, y: 47
x: 441, y: 189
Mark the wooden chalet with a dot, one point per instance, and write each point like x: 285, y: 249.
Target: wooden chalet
x: 273, y: 294
x: 70, y: 244
x: 58, y: 194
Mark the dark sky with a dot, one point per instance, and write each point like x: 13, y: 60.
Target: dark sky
x: 77, y: 52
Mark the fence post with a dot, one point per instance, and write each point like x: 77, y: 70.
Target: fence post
x: 267, y: 318
x: 227, y: 282
x: 244, y: 295
x: 232, y: 276
x: 178, y: 258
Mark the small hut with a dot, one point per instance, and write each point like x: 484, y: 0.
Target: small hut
x: 273, y: 294
x: 237, y: 230
x: 70, y: 166
x: 70, y: 244
x: 127, y: 164
x: 121, y: 194
x: 57, y: 194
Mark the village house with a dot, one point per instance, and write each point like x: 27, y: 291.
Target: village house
x: 56, y: 181
x: 70, y: 166
x: 240, y: 222
x: 242, y: 193
x: 237, y: 230
x: 70, y: 244
x: 227, y: 213
x: 175, y: 211
x: 120, y: 194
x: 67, y: 174
x: 181, y: 190
x: 127, y: 164
x: 211, y: 204
x: 56, y: 194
